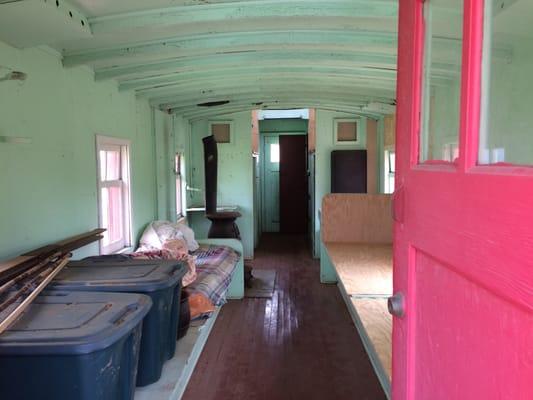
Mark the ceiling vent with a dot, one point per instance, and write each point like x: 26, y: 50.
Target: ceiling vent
x: 213, y: 103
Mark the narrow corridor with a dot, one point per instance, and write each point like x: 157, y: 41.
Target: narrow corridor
x: 301, y: 344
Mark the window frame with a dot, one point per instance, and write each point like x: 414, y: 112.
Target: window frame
x: 124, y: 182
x: 357, y: 140
x: 389, y: 171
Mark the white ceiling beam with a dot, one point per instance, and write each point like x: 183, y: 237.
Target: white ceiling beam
x: 230, y: 12
x: 379, y: 76
x: 349, y: 42
x: 269, y: 57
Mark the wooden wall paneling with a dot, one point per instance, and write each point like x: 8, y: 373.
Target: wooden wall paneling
x: 356, y: 218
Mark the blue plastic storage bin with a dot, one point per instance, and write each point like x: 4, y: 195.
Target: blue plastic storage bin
x: 159, y: 279
x: 75, y: 345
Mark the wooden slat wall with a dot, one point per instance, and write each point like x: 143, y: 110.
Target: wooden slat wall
x: 356, y: 218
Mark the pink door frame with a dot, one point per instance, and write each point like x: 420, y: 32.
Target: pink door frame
x: 463, y: 251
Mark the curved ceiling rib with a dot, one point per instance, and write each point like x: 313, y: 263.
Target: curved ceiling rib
x: 177, y: 54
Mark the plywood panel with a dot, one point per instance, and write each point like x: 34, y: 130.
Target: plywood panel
x: 376, y: 333
x: 363, y: 269
x: 372, y: 156
x: 356, y: 218
x: 390, y: 131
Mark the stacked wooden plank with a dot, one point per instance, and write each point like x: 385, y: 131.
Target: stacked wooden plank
x: 24, y: 277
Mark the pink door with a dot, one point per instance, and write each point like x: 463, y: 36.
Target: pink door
x: 463, y: 207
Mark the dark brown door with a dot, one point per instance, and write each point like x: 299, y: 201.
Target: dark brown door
x: 293, y: 197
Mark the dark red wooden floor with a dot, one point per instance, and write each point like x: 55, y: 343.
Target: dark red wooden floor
x: 301, y: 344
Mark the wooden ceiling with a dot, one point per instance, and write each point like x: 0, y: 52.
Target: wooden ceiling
x: 330, y: 54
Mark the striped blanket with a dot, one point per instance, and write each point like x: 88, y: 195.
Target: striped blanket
x: 214, y: 265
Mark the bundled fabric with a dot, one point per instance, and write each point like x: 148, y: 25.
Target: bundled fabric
x: 211, y: 267
x: 173, y: 249
x: 214, y: 267
x: 158, y: 232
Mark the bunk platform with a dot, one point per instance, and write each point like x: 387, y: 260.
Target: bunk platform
x: 357, y: 255
x: 178, y: 370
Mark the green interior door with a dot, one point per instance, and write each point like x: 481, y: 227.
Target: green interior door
x: 271, y: 184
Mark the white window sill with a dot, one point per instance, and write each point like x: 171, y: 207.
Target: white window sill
x: 125, y: 250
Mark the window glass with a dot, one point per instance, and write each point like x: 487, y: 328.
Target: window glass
x: 110, y: 164
x: 441, y: 86
x: 112, y: 214
x: 179, y: 185
x: 274, y: 153
x: 507, y: 124
x: 390, y: 168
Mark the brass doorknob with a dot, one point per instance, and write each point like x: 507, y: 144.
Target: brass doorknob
x: 396, y: 305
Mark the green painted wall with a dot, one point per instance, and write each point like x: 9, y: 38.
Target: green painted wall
x: 324, y: 145
x: 49, y: 185
x: 235, y: 176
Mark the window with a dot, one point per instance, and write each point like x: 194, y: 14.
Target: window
x: 178, y: 169
x: 390, y: 165
x: 345, y: 131
x: 506, y: 127
x: 113, y: 193
x: 221, y: 130
x: 441, y: 89
x: 274, y: 153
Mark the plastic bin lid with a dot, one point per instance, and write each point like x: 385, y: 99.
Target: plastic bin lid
x: 73, y: 322
x: 141, y: 276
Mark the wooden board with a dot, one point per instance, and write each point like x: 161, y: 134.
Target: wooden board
x: 363, y: 269
x: 376, y: 332
x: 390, y: 131
x: 7, y: 265
x: 356, y: 218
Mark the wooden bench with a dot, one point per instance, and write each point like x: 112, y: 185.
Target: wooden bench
x: 356, y: 253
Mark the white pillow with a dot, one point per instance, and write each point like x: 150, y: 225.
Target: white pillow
x: 158, y: 232
x: 188, y: 235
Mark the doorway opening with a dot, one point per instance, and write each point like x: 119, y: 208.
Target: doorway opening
x: 284, y: 172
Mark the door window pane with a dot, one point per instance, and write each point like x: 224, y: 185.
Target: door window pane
x: 441, y: 79
x: 507, y: 123
x: 274, y: 153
